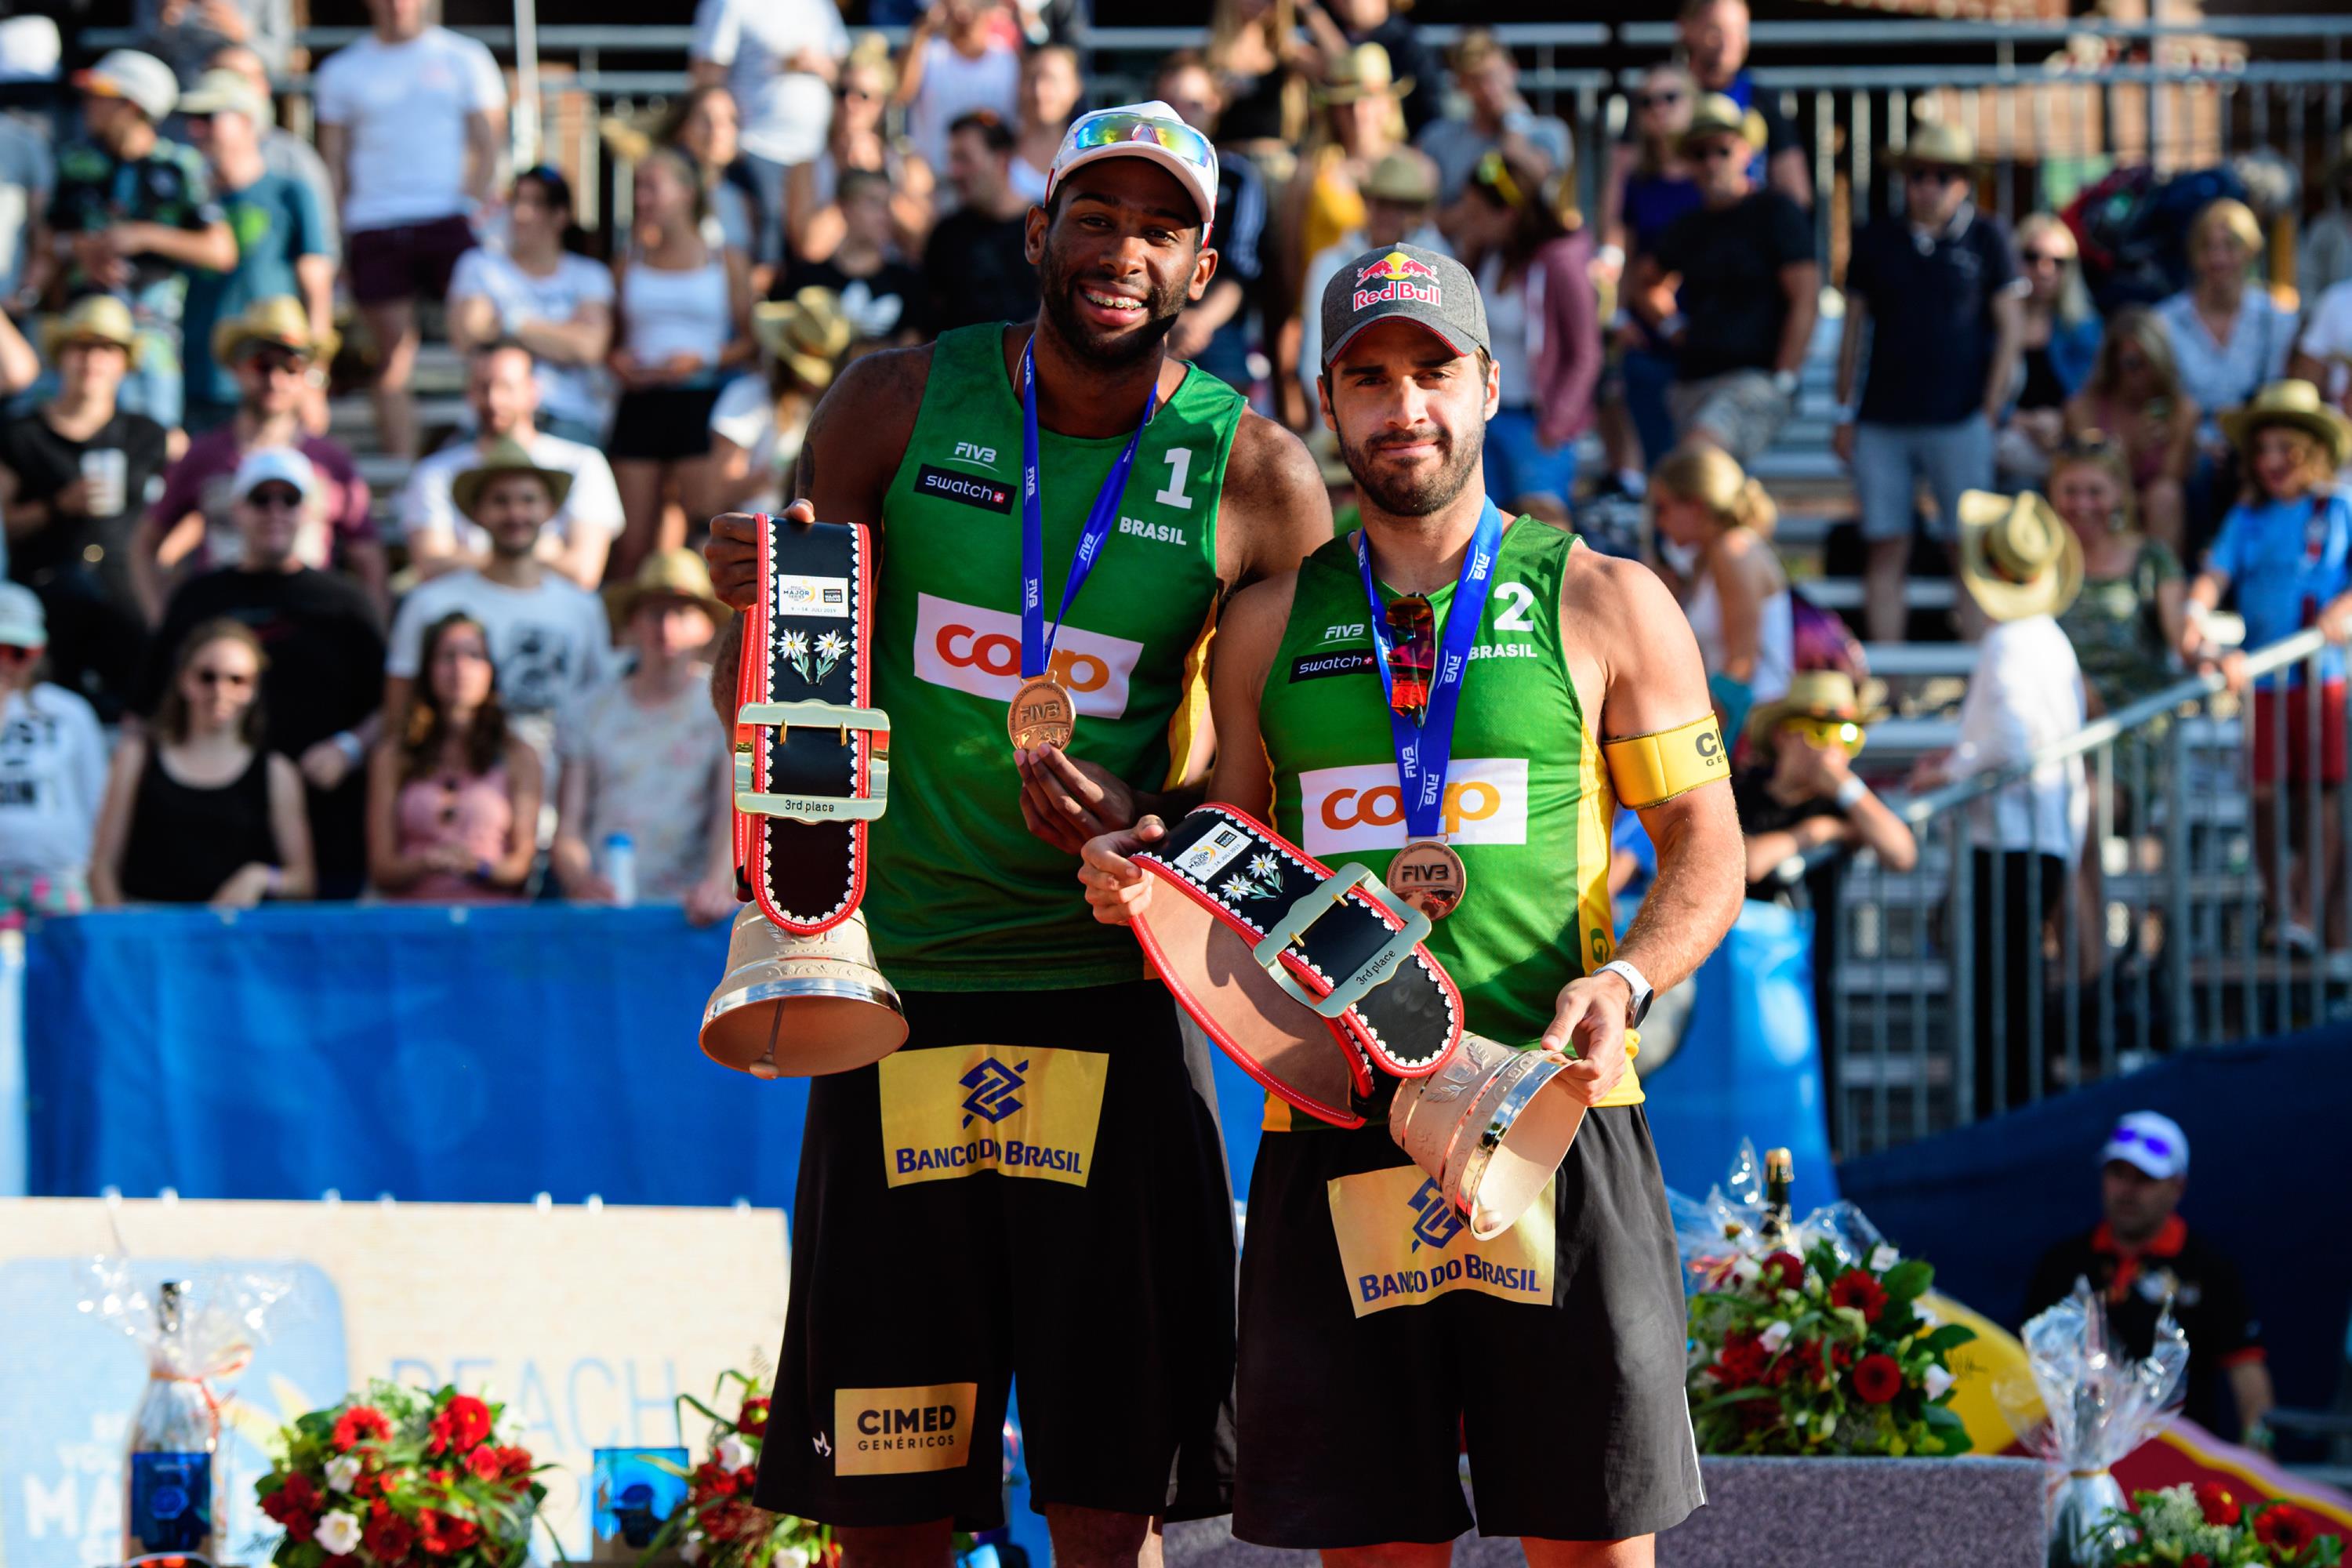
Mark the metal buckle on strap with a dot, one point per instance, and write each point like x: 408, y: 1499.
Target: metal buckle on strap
x: 834, y: 715
x: 1312, y: 907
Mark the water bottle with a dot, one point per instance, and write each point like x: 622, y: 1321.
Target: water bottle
x: 621, y: 868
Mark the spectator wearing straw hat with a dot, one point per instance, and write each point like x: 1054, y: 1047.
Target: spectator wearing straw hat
x: 2023, y: 566
x: 641, y: 757
x: 2286, y: 552
x: 52, y: 772
x: 73, y: 474
x: 274, y: 352
x: 323, y: 681
x: 2146, y: 1260
x: 134, y: 217
x: 1400, y: 208
x: 1498, y: 119
x: 758, y: 421
x: 547, y: 635
x: 1741, y: 320
x: 1360, y: 121
x: 1341, y: 26
x: 281, y: 242
x: 1936, y: 294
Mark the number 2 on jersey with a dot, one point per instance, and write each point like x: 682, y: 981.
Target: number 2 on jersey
x: 1518, y: 600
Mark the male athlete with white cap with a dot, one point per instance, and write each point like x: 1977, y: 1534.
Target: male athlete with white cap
x: 1030, y: 1189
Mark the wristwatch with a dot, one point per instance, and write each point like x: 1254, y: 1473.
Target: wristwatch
x: 1634, y: 982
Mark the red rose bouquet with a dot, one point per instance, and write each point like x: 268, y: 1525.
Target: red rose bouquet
x: 2208, y: 1525
x: 398, y: 1477
x: 1822, y: 1353
x: 717, y: 1526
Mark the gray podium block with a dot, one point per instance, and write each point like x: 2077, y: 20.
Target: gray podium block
x: 1781, y: 1513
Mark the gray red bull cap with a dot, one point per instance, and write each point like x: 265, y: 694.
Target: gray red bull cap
x: 1403, y: 282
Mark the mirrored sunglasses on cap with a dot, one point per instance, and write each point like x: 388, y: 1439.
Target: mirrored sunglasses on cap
x: 1816, y: 732
x: 2156, y: 1143
x: 1112, y: 127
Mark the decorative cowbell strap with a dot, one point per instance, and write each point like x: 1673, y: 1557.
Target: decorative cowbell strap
x: 811, y: 766
x: 1281, y: 960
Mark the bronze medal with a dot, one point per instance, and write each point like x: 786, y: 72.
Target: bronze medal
x: 1042, y: 715
x: 1428, y: 875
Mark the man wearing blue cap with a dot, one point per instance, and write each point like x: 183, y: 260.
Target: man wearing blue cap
x: 1030, y: 1192
x: 2142, y: 1255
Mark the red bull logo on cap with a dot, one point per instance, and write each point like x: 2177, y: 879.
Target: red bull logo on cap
x: 1393, y: 278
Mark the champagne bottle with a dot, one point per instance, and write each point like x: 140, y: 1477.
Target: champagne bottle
x: 174, y: 1437
x: 1776, y: 1228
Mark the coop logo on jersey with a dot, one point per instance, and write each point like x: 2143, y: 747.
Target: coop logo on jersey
x: 1401, y: 1244
x: 979, y: 651
x: 1397, y: 277
x: 893, y: 1431
x: 989, y: 495
x: 1363, y: 807
x: 992, y: 1086
x: 952, y: 1113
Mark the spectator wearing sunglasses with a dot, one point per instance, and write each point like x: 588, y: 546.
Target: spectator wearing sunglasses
x: 325, y: 679
x: 274, y: 352
x: 454, y: 797
x: 1713, y: 36
x: 1936, y: 295
x: 860, y: 138
x: 2058, y: 342
x: 1498, y: 119
x: 1650, y: 184
x: 2142, y: 1256
x: 281, y: 240
x: 52, y: 772
x: 1741, y: 320
x: 198, y: 809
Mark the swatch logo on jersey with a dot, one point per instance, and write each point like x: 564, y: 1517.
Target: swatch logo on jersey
x: 970, y: 649
x: 1363, y: 807
x: 1401, y: 1244
x: 896, y: 1431
x: 951, y: 1113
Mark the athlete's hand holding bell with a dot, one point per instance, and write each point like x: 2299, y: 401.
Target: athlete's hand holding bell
x: 1117, y: 888
x: 733, y: 552
x: 1588, y: 1024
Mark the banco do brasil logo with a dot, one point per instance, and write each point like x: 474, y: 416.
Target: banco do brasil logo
x: 992, y: 1086
x: 1434, y: 1223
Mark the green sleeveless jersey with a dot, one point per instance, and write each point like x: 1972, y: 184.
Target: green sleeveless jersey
x: 960, y: 895
x: 1528, y: 804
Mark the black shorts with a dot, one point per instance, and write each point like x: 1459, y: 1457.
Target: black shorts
x: 1032, y: 1189
x: 406, y: 261
x: 662, y: 425
x: 1377, y: 1341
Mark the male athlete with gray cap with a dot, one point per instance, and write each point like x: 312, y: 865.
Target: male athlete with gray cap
x: 1030, y: 1189
x: 1526, y: 685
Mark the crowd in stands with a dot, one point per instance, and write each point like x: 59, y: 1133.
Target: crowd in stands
x: 235, y: 670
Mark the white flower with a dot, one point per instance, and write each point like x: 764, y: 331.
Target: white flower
x: 1937, y: 1382
x: 1800, y: 1418
x: 731, y: 1452
x: 341, y: 1471
x: 1265, y: 866
x: 1883, y: 1257
x: 1829, y: 1423
x: 796, y: 644
x: 1776, y: 1334
x: 1746, y: 1269
x: 790, y: 1557
x: 339, y: 1533
x: 831, y: 645
x: 692, y: 1551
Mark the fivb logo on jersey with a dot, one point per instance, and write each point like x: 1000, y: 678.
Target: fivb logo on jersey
x: 968, y: 649
x: 1363, y: 807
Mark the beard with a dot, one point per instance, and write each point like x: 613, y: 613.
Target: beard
x: 1423, y: 490
x: 1058, y: 285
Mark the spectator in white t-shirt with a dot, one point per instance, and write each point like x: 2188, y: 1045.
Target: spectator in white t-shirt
x: 547, y: 635
x: 410, y: 122
x: 554, y: 302
x: 780, y: 60
x: 958, y: 58
x: 644, y: 758
x: 52, y: 772
x: 503, y: 392
x: 2322, y: 354
x: 760, y: 421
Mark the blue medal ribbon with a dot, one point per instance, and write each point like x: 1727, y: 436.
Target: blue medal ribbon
x: 1036, y: 641
x: 1426, y: 751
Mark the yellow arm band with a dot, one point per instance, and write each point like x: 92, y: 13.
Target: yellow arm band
x: 1647, y: 770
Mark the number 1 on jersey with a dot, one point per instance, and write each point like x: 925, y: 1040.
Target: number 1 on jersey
x: 1179, y: 467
